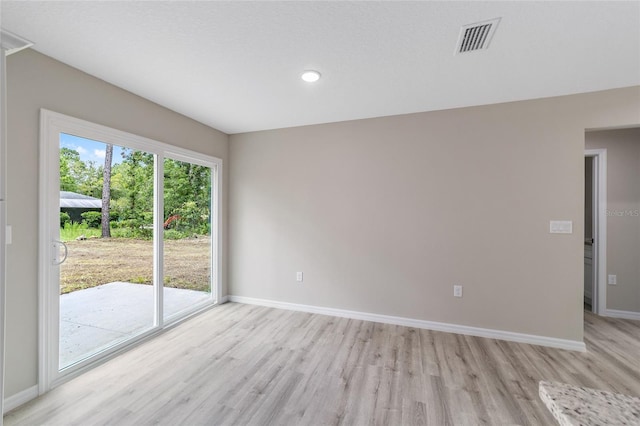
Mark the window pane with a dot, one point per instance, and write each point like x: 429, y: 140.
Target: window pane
x: 106, y: 291
x: 187, y: 236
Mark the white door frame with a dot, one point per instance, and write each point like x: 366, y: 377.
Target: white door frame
x: 3, y: 185
x: 599, y: 209
x: 51, y: 125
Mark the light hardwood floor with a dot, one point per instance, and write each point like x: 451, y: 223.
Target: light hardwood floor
x: 250, y: 365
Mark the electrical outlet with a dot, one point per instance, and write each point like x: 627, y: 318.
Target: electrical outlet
x: 613, y: 280
x: 299, y: 276
x: 457, y: 290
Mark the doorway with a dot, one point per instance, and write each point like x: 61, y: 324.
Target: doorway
x: 621, y: 283
x: 589, y: 270
x: 129, y: 241
x: 595, y: 232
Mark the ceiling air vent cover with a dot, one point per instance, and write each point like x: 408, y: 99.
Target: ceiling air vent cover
x: 476, y: 36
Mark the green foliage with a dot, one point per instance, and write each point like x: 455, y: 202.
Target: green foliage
x: 64, y: 219
x: 132, y: 186
x: 172, y: 234
x: 92, y: 219
x: 72, y: 231
x: 67, y: 181
x: 79, y: 176
x: 131, y: 228
x: 135, y: 233
x: 126, y: 223
x: 187, y: 193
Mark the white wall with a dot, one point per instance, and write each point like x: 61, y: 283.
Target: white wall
x: 385, y: 215
x: 36, y: 81
x: 623, y: 222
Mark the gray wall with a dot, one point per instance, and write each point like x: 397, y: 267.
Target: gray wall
x: 385, y: 215
x: 623, y: 221
x: 382, y: 215
x: 36, y: 81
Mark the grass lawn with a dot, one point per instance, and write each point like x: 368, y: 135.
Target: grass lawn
x: 98, y: 261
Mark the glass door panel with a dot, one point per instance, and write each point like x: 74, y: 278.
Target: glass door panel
x: 106, y: 281
x: 187, y: 237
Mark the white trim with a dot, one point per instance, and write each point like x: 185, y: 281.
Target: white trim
x: 3, y: 211
x: 12, y: 43
x: 158, y: 240
x: 224, y: 299
x: 630, y: 315
x: 216, y: 233
x: 600, y: 225
x: 47, y: 343
x: 51, y: 125
x: 22, y: 397
x: 510, y: 336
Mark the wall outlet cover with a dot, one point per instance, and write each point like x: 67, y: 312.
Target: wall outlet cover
x: 457, y: 290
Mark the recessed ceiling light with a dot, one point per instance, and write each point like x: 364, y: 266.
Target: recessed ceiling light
x: 310, y: 76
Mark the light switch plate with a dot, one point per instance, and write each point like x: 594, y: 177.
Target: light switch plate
x: 561, y: 227
x: 8, y: 235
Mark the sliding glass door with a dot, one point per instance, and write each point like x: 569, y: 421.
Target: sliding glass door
x: 129, y: 241
x: 187, y: 236
x: 106, y: 276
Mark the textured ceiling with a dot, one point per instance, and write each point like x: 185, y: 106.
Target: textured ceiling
x: 235, y: 65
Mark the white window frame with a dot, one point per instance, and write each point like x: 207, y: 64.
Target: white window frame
x: 52, y: 124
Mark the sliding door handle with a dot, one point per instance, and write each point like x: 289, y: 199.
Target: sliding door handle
x: 57, y: 243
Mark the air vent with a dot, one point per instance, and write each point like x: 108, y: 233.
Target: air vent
x: 476, y: 36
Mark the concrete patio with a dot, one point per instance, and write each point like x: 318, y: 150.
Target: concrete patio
x: 97, y: 318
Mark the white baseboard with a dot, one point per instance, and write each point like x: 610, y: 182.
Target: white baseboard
x: 16, y: 400
x: 532, y: 339
x: 623, y: 314
x: 223, y: 299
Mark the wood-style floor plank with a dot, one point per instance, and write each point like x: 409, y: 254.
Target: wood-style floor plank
x: 248, y: 365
